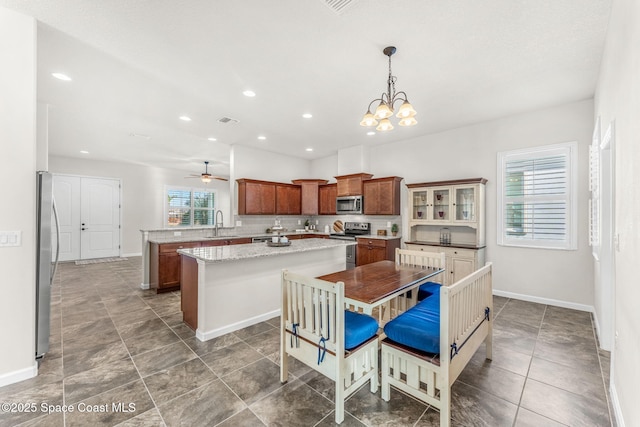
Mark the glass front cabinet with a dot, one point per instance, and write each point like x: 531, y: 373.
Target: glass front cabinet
x: 440, y: 204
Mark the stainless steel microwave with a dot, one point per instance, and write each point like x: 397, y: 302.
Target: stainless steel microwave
x: 349, y: 205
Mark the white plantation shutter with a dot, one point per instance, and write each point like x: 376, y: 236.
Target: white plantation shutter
x: 536, y: 197
x: 187, y: 207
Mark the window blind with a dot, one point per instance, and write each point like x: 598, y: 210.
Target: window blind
x: 536, y: 198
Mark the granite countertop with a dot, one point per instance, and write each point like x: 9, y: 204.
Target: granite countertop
x: 239, y: 252
x: 184, y: 239
x: 452, y: 245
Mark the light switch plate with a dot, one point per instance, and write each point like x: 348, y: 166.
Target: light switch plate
x: 238, y: 223
x: 10, y: 238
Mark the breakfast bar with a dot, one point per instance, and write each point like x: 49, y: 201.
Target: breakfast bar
x: 226, y: 288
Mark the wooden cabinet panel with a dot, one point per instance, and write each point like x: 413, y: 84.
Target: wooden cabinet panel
x: 309, y: 195
x: 256, y: 197
x: 351, y: 185
x: 382, y: 196
x: 327, y: 199
x: 164, y: 265
x: 288, y: 199
x: 189, y: 291
x: 373, y: 250
x: 224, y: 242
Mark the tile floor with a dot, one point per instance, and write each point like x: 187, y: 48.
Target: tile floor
x: 114, y: 344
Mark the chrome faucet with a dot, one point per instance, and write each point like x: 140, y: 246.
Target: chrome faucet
x: 221, y: 222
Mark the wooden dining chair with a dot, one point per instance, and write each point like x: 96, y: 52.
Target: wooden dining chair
x: 317, y: 330
x: 407, y: 300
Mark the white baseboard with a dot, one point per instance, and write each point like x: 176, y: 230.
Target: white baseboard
x: 131, y: 255
x: 204, y: 336
x: 20, y: 375
x: 615, y: 403
x: 144, y: 286
x: 547, y: 301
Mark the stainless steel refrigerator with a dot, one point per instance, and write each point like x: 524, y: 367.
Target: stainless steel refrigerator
x: 46, y: 263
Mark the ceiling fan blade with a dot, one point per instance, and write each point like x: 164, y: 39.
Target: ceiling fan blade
x: 220, y: 178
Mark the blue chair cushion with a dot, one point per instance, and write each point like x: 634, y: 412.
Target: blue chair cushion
x: 358, y: 328
x: 418, y: 327
x: 428, y: 289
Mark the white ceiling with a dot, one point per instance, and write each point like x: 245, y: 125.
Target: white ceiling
x: 138, y: 65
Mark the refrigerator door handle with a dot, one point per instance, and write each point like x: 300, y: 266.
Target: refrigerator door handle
x: 55, y: 264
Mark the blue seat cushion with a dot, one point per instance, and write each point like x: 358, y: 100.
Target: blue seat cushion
x: 428, y: 289
x: 358, y: 328
x: 418, y: 327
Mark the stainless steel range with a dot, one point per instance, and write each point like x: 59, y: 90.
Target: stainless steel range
x: 351, y: 231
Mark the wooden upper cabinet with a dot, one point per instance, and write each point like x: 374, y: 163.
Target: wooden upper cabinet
x: 256, y: 197
x: 310, y: 194
x: 288, y: 199
x: 382, y: 196
x: 327, y: 199
x: 351, y: 185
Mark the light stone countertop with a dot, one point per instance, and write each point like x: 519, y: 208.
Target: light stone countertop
x: 183, y: 239
x: 256, y: 250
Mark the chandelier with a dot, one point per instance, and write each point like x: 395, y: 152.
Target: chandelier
x: 387, y: 100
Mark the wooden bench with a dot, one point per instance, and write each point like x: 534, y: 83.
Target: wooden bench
x: 465, y: 310
x: 316, y: 330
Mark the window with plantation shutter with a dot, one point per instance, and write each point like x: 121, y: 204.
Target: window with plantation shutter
x: 188, y: 207
x: 537, y: 197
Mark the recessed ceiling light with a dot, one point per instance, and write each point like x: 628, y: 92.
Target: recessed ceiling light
x: 84, y: 152
x: 262, y: 138
x: 307, y: 115
x: 61, y: 76
x: 249, y: 93
x: 212, y: 139
x: 371, y: 133
x: 308, y: 149
x: 185, y: 118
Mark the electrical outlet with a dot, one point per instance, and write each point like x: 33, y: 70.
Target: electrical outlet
x: 299, y: 222
x: 238, y: 223
x: 388, y: 224
x: 317, y: 222
x: 177, y: 233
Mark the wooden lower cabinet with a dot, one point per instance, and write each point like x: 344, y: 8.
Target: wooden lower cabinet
x: 164, y: 265
x: 164, y: 261
x: 460, y: 262
x: 225, y: 242
x: 373, y: 250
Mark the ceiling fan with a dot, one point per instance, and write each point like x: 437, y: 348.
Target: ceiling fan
x: 206, y: 177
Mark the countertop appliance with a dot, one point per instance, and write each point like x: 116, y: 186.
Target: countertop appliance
x: 351, y: 231
x: 46, y: 218
x: 349, y: 205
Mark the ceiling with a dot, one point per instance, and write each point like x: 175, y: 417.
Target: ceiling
x: 138, y: 65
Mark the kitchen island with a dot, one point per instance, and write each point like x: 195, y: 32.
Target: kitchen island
x: 226, y: 288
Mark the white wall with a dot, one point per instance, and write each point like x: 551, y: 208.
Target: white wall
x: 18, y: 185
x: 617, y: 100
x: 469, y: 152
x: 326, y: 168
x: 253, y: 163
x: 143, y: 195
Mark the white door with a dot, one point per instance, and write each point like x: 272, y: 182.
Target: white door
x: 89, y: 215
x: 66, y: 193
x: 99, y: 218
